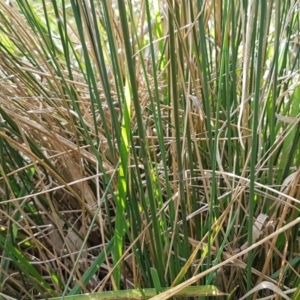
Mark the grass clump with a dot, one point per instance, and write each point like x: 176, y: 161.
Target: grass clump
x: 148, y: 146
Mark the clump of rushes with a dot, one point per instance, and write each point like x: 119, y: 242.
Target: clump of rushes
x: 149, y: 148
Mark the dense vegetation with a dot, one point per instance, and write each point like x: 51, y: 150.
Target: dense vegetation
x: 151, y: 147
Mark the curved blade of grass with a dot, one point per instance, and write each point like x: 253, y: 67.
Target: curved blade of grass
x: 24, y: 265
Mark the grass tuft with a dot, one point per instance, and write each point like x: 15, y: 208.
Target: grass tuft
x: 149, y: 149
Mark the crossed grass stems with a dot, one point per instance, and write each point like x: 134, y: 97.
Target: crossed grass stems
x: 144, y: 150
